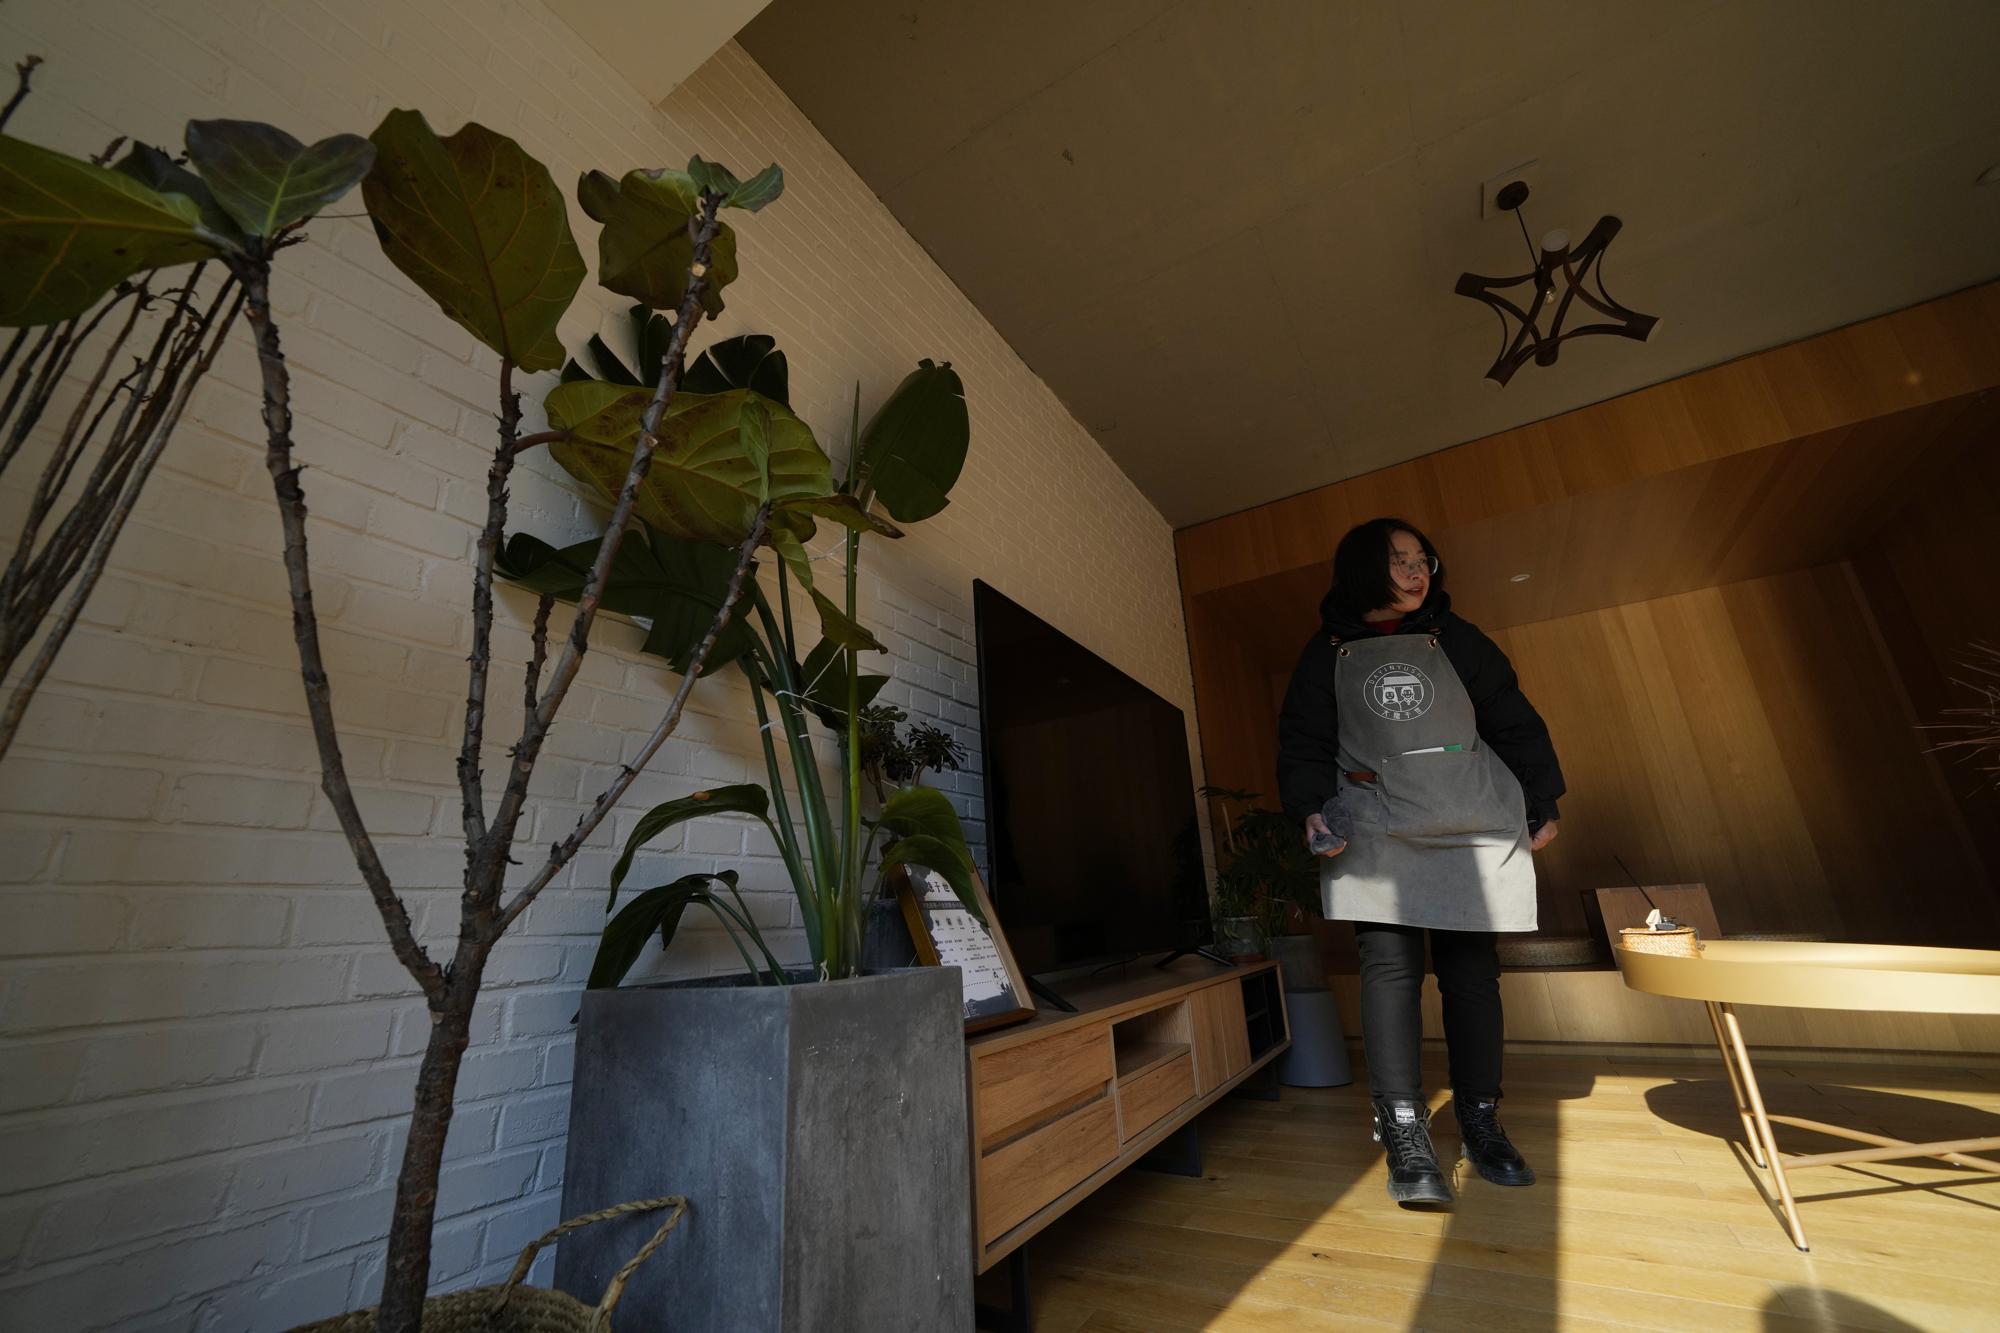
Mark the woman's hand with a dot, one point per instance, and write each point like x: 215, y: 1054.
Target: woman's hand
x: 1316, y: 826
x: 1543, y: 836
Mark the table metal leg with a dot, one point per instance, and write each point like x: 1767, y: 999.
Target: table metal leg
x: 1763, y: 1124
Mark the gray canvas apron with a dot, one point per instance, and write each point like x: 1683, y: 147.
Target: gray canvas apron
x: 1440, y: 838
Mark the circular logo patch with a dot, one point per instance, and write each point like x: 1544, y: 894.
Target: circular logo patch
x: 1398, y: 691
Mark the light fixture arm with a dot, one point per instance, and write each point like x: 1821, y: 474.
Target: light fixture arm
x: 1577, y: 266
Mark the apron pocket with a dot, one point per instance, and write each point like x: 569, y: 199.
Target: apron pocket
x: 1449, y: 794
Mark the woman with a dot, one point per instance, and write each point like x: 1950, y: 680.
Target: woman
x: 1407, y: 721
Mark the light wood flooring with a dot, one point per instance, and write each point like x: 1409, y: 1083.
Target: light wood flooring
x: 1647, y: 1215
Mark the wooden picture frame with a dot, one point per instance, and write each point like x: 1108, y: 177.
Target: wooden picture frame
x: 945, y: 934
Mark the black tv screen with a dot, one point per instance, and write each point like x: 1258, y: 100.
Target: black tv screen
x: 1090, y: 803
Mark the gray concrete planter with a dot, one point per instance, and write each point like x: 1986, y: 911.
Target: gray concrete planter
x: 818, y: 1132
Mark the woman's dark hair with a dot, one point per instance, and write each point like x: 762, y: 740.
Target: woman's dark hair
x: 1361, y: 581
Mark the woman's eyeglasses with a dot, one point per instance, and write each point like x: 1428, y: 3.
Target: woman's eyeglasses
x: 1413, y: 568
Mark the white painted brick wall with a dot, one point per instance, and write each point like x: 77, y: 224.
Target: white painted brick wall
x: 206, y: 1050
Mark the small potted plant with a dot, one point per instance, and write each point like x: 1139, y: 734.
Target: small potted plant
x: 1266, y: 888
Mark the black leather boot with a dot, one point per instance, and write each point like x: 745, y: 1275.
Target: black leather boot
x: 1486, y: 1145
x: 1403, y: 1127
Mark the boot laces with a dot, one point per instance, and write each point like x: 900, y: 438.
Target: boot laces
x: 1480, y: 1123
x: 1411, y: 1138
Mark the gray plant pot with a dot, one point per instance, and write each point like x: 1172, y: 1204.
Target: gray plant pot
x: 818, y: 1132
x: 1298, y: 958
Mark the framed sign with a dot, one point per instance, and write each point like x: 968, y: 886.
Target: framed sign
x: 946, y: 935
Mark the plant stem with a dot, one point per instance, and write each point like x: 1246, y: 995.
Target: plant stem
x: 471, y: 788
x: 158, y: 428
x: 812, y: 797
x: 586, y: 824
x: 406, y: 1272
x: 853, y: 849
x: 254, y: 274
x: 782, y: 829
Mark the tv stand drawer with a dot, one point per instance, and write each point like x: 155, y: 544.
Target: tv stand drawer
x: 1018, y: 1178
x: 1147, y: 1099
x: 1016, y: 1087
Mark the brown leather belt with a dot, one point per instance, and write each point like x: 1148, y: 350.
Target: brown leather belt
x: 1361, y: 777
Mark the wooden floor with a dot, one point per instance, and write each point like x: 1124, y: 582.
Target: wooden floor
x: 1647, y: 1215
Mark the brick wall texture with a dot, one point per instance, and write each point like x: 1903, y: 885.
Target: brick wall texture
x: 206, y: 1050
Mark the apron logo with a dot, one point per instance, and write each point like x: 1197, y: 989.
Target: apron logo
x: 1398, y: 692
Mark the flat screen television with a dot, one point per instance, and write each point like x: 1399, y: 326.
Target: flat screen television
x: 1090, y: 803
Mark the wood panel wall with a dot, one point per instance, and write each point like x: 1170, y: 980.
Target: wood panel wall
x: 1932, y: 578
x: 1754, y: 737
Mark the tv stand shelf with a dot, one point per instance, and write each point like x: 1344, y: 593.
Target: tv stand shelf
x: 1065, y: 1102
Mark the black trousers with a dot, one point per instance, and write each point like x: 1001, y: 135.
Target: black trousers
x: 1392, y: 982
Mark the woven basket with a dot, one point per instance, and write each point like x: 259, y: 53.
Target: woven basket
x: 513, y: 1308
x: 1680, y: 941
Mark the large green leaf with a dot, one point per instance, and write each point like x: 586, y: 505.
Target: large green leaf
x: 265, y: 179
x: 751, y: 195
x: 914, y: 447
x: 704, y: 485
x: 929, y: 835
x: 481, y: 228
x: 746, y: 799
x: 679, y: 586
x: 634, y: 584
x: 645, y: 248
x: 823, y: 682
x: 71, y: 230
x: 694, y: 578
x: 844, y: 510
x: 597, y: 193
x: 153, y: 168
x: 748, y: 361
x: 659, y: 911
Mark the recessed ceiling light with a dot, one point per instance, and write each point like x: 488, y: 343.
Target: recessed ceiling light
x: 1990, y: 176
x: 1520, y: 578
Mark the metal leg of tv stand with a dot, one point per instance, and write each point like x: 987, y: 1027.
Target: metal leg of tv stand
x: 1261, y: 1086
x: 1019, y: 1316
x: 1037, y: 989
x: 1177, y: 1154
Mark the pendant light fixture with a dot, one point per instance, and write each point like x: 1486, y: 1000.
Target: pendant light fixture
x: 1559, y: 278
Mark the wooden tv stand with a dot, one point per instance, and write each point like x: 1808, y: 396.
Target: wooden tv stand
x: 1061, y: 1104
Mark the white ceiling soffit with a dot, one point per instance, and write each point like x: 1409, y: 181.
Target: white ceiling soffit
x: 656, y: 43
x: 1226, y: 233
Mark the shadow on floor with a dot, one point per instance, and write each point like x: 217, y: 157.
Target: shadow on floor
x: 1821, y: 1308
x: 1705, y: 1106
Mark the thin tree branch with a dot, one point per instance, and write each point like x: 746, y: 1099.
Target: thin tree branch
x: 560, y: 854
x: 25, y: 68
x: 535, y: 727
x: 72, y: 443
x: 160, y: 431
x: 540, y: 654
x: 471, y: 788
x: 539, y: 438
x: 21, y: 378
x: 255, y: 272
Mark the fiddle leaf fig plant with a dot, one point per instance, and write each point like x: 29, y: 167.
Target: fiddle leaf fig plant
x: 739, y: 445
x: 478, y: 225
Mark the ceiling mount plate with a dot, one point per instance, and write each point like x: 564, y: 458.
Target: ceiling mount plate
x: 1529, y: 173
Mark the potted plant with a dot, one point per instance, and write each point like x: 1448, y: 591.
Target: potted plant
x: 815, y: 1114
x: 1266, y: 888
x: 480, y: 227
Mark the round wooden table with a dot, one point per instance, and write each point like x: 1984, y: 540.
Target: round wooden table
x: 1796, y: 975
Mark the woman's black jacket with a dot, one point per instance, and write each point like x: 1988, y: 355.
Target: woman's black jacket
x: 1309, y: 725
